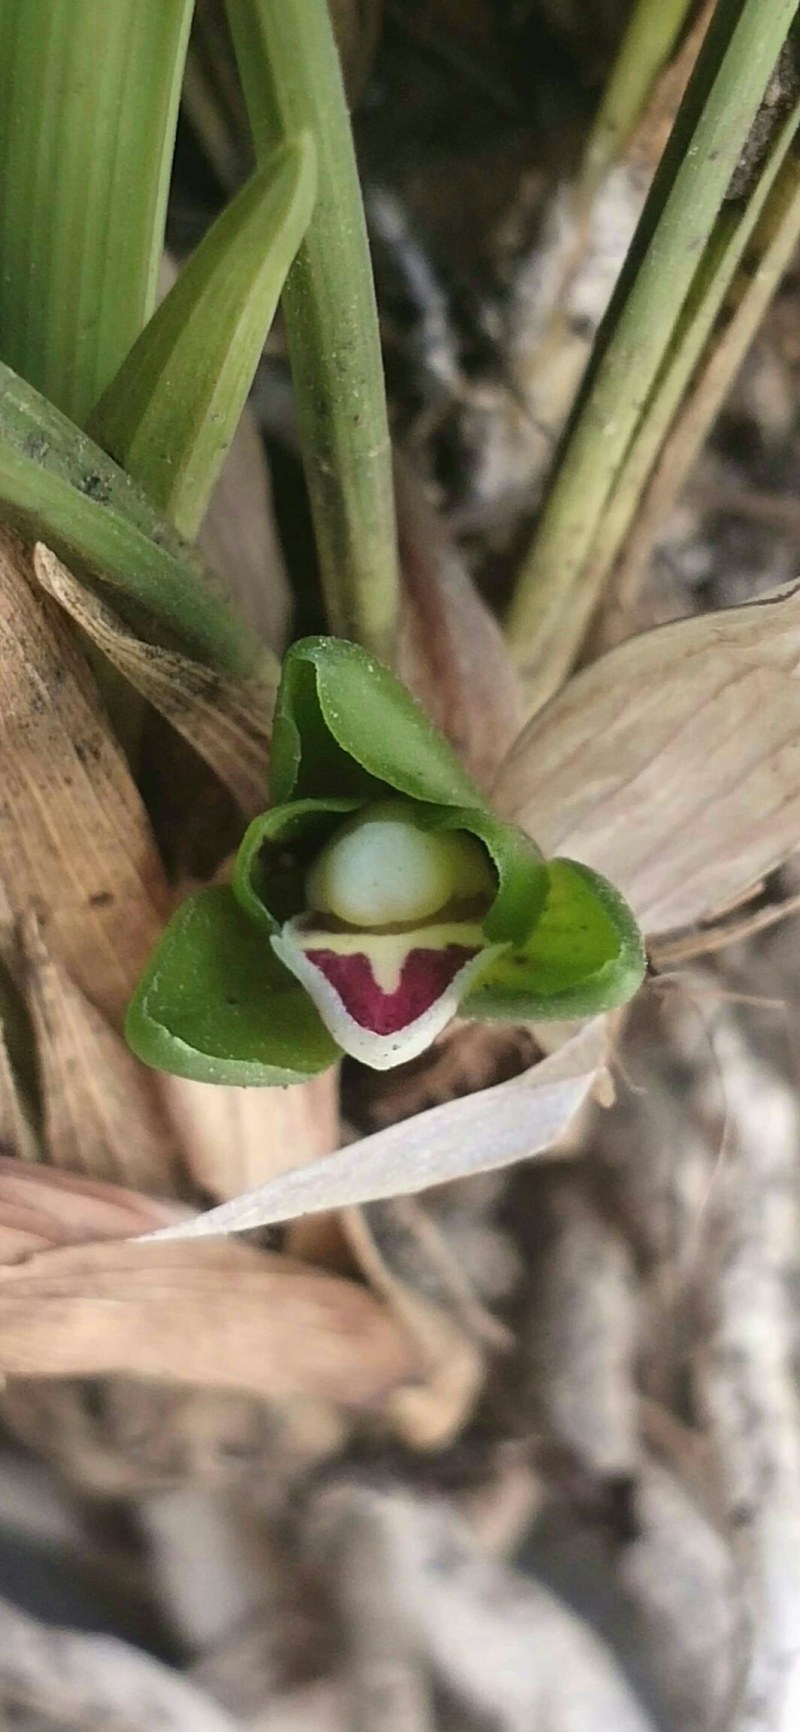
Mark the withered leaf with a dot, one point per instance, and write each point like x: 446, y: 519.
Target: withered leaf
x: 672, y: 764
x: 228, y: 722
x: 100, y: 1108
x: 76, y: 845
x: 221, y: 1316
x: 493, y: 1128
x: 451, y: 651
x: 41, y: 1208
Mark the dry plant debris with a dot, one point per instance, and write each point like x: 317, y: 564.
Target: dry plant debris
x: 575, y: 1358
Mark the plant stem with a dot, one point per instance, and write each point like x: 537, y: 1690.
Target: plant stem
x: 553, y: 604
x: 88, y: 105
x: 292, y: 82
x: 772, y: 247
x: 729, y: 240
x: 650, y: 36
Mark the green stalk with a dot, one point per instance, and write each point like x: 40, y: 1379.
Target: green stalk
x: 89, y: 94
x: 171, y: 411
x: 651, y: 33
x: 552, y: 604
x: 292, y: 82
x: 729, y: 241
x: 56, y: 485
x: 771, y: 249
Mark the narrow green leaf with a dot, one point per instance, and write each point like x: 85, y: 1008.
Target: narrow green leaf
x: 585, y: 955
x: 88, y: 105
x: 170, y: 413
x: 57, y: 486
x: 552, y: 603
x: 345, y: 726
x: 216, y: 1005
x: 292, y: 82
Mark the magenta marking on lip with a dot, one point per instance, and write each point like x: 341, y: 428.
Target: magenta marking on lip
x: 426, y: 975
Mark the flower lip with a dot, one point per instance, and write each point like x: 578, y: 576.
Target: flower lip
x: 384, y: 996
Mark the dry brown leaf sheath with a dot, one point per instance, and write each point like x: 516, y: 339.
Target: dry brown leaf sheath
x: 228, y: 722
x: 76, y: 846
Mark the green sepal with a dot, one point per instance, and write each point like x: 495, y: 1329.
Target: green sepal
x: 170, y: 413
x: 521, y: 870
x: 345, y: 726
x: 274, y: 854
x: 215, y: 1004
x: 584, y: 955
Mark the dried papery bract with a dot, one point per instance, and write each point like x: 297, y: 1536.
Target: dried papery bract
x: 450, y: 650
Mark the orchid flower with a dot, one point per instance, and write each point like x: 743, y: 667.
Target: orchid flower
x: 378, y: 898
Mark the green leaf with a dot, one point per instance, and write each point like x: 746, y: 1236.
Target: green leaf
x: 58, y: 486
x: 216, y: 1005
x: 585, y: 955
x: 344, y: 726
x: 88, y: 105
x: 171, y: 411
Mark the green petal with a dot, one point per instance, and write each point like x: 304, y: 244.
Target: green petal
x: 522, y: 876
x: 268, y: 878
x: 215, y: 1004
x: 345, y: 726
x: 269, y: 874
x: 585, y: 955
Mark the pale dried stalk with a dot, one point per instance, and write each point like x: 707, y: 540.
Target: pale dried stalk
x: 430, y: 1414
x: 747, y: 1381
x: 505, y: 1648
x: 235, y: 1138
x: 52, y: 1678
